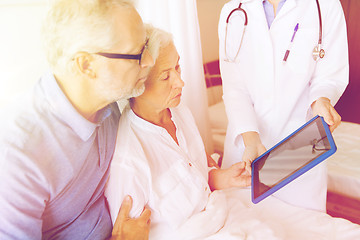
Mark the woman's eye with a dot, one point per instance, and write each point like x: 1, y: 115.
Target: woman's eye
x: 166, y: 76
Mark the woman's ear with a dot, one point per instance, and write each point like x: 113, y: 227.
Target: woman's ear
x: 83, y: 63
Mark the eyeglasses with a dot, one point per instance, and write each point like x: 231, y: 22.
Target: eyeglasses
x: 127, y: 56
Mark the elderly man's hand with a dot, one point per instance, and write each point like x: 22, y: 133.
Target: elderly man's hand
x: 323, y: 107
x: 126, y: 228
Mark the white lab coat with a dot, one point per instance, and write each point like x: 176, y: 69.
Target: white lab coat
x: 273, y: 98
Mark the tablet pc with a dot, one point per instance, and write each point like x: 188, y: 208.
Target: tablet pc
x: 309, y: 145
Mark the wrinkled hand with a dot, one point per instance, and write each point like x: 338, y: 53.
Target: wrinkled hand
x: 234, y: 176
x: 238, y: 175
x: 323, y: 107
x: 126, y: 228
x: 251, y: 153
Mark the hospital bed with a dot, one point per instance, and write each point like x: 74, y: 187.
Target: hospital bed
x: 343, y: 167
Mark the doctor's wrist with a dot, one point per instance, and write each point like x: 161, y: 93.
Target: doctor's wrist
x: 251, y: 139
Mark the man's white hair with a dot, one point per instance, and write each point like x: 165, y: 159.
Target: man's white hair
x: 73, y: 26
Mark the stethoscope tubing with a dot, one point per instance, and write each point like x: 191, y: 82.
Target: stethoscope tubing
x: 320, y: 22
x: 317, y: 53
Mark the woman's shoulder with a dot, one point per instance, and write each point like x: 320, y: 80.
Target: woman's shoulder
x: 127, y: 146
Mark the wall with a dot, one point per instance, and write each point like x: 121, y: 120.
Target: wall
x: 22, y: 61
x: 349, y: 104
x: 209, y: 13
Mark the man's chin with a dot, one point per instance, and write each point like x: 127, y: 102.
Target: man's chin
x: 138, y: 91
x: 135, y: 92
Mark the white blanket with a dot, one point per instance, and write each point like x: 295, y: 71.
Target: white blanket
x: 230, y: 214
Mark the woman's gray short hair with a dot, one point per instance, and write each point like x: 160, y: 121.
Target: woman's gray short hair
x: 73, y: 26
x: 158, y: 38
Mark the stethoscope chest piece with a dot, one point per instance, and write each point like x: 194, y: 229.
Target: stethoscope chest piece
x: 318, y: 52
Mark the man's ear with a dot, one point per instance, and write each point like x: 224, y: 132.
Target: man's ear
x: 83, y: 63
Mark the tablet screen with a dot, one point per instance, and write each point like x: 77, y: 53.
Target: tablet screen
x: 296, y: 154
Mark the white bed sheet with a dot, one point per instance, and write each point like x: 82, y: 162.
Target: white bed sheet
x: 270, y: 219
x: 343, y: 166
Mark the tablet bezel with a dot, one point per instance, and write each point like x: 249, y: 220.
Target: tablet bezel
x: 297, y: 172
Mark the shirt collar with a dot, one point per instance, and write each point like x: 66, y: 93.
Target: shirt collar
x: 65, y: 111
x: 144, y: 124
x: 269, y: 2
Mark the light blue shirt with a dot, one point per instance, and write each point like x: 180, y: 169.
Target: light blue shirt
x: 53, y: 167
x: 269, y: 10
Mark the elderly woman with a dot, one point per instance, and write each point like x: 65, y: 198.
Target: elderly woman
x: 160, y: 154
x: 160, y: 161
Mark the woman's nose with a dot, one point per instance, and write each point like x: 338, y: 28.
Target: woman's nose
x: 178, y: 82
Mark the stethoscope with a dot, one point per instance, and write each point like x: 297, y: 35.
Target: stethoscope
x: 318, y: 52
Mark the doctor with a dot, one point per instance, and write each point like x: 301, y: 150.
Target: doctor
x: 291, y: 63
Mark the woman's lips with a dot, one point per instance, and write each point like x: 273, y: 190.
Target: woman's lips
x: 178, y: 96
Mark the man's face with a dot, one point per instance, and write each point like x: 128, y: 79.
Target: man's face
x: 124, y: 78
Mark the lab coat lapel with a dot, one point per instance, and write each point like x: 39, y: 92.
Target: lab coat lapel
x: 245, y: 1
x: 260, y: 28
x: 288, y: 6
x: 257, y: 19
x: 262, y: 46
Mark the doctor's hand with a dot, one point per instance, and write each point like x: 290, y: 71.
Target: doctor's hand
x: 323, y: 107
x: 251, y: 153
x: 126, y: 228
x: 234, y: 176
x: 253, y: 148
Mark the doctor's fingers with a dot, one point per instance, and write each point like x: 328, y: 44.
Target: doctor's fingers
x: 331, y: 117
x: 248, y: 167
x: 336, y: 119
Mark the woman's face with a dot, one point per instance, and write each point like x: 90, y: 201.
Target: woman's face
x: 163, y: 86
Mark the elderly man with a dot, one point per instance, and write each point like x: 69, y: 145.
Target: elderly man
x: 56, y: 143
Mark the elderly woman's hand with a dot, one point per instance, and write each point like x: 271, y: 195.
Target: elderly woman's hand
x: 238, y: 175
x: 235, y: 176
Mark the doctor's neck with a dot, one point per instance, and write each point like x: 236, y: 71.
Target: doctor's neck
x: 275, y: 4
